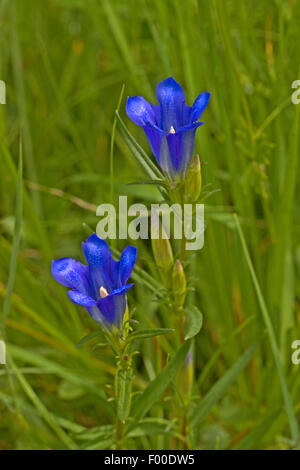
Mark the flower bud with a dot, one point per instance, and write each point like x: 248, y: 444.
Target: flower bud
x: 162, y: 249
x: 193, y: 181
x: 163, y: 254
x: 126, y: 318
x: 178, y: 283
x: 185, y: 378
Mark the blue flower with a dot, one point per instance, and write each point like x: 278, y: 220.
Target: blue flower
x: 99, y: 286
x: 169, y: 126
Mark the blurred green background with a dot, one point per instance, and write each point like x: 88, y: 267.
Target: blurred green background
x: 64, y: 63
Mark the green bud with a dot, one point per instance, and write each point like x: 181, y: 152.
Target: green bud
x: 178, y: 283
x: 193, y: 181
x: 163, y: 253
x: 185, y: 378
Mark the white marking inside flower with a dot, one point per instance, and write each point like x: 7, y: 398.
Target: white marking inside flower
x: 103, y: 292
x: 172, y: 130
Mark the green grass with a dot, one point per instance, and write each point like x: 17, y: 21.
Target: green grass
x: 64, y: 72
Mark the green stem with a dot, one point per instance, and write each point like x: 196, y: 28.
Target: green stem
x: 119, y: 433
x: 182, y: 247
x: 184, y: 431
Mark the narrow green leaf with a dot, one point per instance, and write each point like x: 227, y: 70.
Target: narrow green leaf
x: 213, y: 359
x: 97, y: 432
x: 144, y: 402
x: 89, y: 337
x: 112, y: 141
x: 255, y: 436
x: 194, y: 322
x: 16, y: 242
x: 99, y: 445
x: 43, y: 411
x: 219, y: 389
x: 270, y: 329
x: 151, y: 426
x: 154, y: 182
x: 51, y: 367
x: 88, y: 230
x: 138, y: 152
x: 149, y: 333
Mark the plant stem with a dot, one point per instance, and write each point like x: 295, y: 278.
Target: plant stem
x: 182, y: 247
x: 119, y: 429
x: 184, y: 431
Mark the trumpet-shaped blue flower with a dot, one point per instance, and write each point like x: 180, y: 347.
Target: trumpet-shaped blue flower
x: 170, y: 126
x: 100, y: 286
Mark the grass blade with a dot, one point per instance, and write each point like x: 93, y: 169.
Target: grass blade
x: 16, y: 242
x: 269, y: 326
x: 154, y: 390
x: 219, y: 389
x: 41, y: 408
x: 255, y: 436
x: 150, y: 333
x: 138, y: 152
x: 112, y: 141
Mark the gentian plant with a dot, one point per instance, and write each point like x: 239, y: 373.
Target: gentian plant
x: 170, y: 128
x: 100, y: 287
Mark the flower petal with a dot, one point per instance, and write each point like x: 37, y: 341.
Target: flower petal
x: 165, y: 159
x: 175, y: 143
x: 140, y: 111
x: 199, y: 105
x: 113, y: 306
x: 157, y: 113
x: 154, y: 136
x: 181, y: 147
x: 98, y: 317
x: 99, y: 259
x: 127, y: 260
x: 71, y: 273
x: 171, y: 98
x: 81, y: 299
